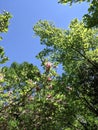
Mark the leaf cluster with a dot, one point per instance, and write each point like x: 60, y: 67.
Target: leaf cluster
x: 90, y: 19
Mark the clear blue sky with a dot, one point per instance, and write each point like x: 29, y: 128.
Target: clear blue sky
x: 19, y: 43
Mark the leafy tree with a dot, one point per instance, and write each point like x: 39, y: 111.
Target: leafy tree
x: 4, y: 22
x: 34, y: 100
x: 30, y: 99
x: 76, y: 49
x: 16, y: 88
x: 90, y: 19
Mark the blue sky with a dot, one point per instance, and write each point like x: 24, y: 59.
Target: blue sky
x: 19, y: 43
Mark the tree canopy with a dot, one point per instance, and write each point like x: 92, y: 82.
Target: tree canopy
x: 76, y: 50
x: 32, y: 100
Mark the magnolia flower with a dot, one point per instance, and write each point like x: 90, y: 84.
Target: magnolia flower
x: 49, y: 79
x: 49, y: 96
x: 48, y: 65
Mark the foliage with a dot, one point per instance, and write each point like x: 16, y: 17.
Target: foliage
x: 31, y: 100
x: 76, y: 50
x: 72, y: 1
x: 90, y: 19
x: 16, y: 88
x: 4, y: 22
x: 34, y: 100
